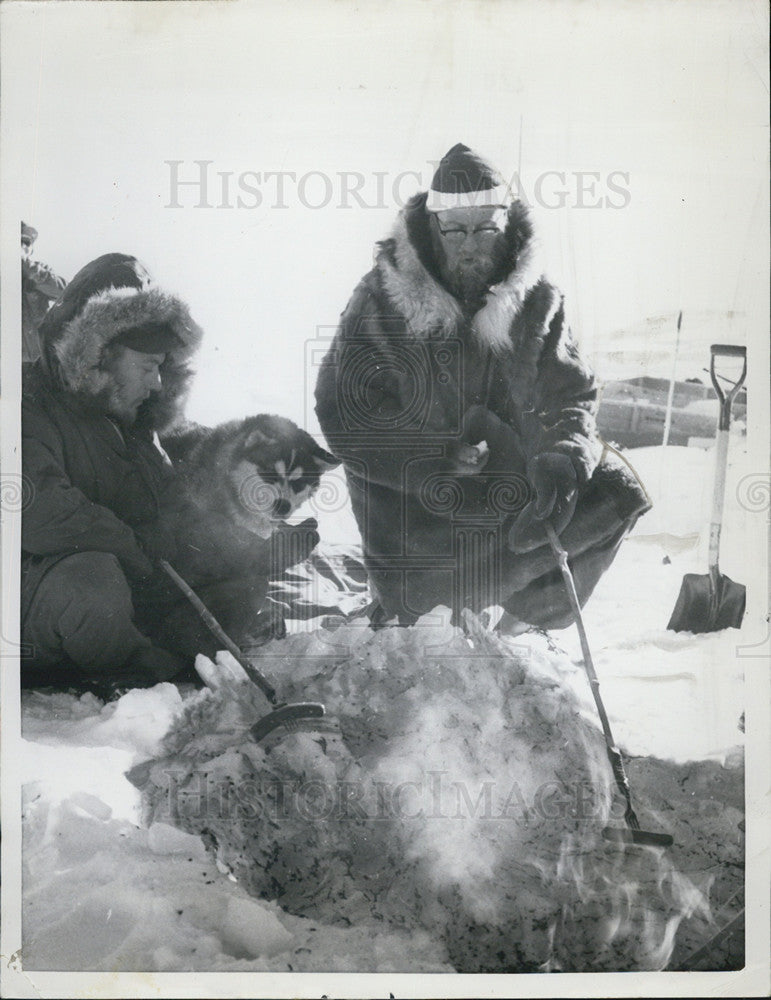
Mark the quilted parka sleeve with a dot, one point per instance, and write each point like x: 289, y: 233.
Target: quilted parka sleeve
x: 59, y: 519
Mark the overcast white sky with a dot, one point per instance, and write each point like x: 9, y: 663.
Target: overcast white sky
x: 665, y: 99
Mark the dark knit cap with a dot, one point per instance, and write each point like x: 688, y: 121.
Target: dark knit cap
x: 111, y: 270
x: 464, y: 180
x: 150, y: 338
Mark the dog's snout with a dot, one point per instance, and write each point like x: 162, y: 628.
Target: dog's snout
x: 281, y: 508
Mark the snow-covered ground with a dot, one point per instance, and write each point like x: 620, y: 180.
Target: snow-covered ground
x: 678, y: 696
x: 103, y: 892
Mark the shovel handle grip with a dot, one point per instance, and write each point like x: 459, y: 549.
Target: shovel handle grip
x: 727, y: 399
x: 729, y: 350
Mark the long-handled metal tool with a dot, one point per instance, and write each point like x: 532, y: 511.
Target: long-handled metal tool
x: 708, y: 603
x: 632, y: 835
x: 298, y: 715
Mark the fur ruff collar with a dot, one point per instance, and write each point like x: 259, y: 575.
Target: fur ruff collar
x: 79, y: 347
x: 411, y: 280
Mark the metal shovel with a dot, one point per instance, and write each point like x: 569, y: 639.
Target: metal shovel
x: 710, y: 602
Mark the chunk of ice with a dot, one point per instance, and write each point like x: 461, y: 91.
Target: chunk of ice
x: 250, y: 930
x: 165, y: 839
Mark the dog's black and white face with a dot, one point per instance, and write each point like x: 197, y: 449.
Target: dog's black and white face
x: 275, y: 467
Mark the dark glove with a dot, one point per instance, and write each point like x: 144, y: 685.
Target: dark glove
x: 136, y: 566
x: 554, y: 482
x: 293, y: 543
x: 157, y: 542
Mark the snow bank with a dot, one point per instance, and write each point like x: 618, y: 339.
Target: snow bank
x: 464, y: 797
x: 103, y: 893
x: 79, y: 745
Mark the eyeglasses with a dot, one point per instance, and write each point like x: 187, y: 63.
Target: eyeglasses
x: 457, y: 234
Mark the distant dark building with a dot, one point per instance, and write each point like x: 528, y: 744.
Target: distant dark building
x: 632, y: 412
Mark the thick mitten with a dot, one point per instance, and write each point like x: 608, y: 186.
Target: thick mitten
x: 553, y: 479
x: 157, y: 542
x: 293, y: 543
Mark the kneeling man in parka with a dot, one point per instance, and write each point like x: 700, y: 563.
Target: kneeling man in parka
x: 114, y: 374
x: 456, y: 398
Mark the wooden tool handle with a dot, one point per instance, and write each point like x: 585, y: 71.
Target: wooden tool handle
x: 254, y: 674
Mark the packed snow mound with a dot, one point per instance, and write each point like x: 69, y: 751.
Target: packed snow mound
x: 463, y: 796
x: 104, y: 894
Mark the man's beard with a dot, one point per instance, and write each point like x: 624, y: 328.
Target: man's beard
x: 470, y: 282
x: 114, y: 404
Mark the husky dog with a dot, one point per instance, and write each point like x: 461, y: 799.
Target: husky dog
x: 237, y: 484
x: 258, y: 471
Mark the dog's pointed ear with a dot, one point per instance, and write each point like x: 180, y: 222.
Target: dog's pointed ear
x: 325, y: 459
x: 257, y: 437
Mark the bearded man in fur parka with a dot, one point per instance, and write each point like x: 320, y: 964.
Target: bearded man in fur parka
x: 464, y: 415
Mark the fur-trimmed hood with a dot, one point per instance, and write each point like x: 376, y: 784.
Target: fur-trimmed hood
x: 73, y: 349
x: 410, y: 277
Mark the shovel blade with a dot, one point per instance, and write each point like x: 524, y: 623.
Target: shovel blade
x: 708, y: 605
x: 286, y: 715
x: 644, y: 838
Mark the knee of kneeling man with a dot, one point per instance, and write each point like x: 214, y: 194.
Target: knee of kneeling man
x: 100, y: 576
